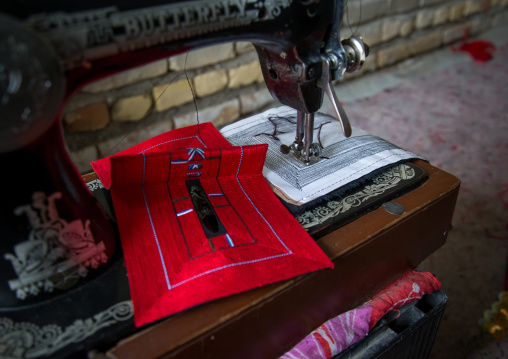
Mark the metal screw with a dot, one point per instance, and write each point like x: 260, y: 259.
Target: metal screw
x: 334, y: 61
x: 394, y: 208
x: 311, y: 72
x: 315, y: 150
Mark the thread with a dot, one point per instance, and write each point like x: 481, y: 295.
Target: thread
x: 193, y: 94
x: 347, y: 18
x: 148, y: 111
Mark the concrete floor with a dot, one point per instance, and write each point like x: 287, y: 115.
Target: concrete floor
x: 471, y: 266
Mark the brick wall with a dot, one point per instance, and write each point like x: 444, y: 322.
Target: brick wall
x: 125, y: 109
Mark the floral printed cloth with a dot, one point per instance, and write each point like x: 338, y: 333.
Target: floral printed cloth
x: 341, y: 332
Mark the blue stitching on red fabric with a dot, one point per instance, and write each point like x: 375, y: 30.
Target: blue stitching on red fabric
x: 184, y: 212
x: 176, y: 139
x: 245, y: 262
x: 269, y: 225
x: 193, y: 151
x: 218, y: 268
x: 153, y: 227
x: 228, y: 266
x: 230, y: 241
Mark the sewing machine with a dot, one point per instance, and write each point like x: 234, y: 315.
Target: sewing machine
x: 48, y: 50
x: 298, y: 44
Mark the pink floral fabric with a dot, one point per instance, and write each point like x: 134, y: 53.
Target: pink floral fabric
x: 334, y: 336
x: 341, y: 332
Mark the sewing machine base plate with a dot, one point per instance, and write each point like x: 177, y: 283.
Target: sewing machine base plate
x: 321, y: 217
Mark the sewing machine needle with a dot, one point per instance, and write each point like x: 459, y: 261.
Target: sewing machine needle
x: 309, y: 135
x: 300, y: 127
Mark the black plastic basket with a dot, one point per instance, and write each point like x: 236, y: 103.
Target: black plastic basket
x: 407, y: 333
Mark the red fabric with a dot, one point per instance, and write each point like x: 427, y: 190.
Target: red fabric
x: 187, y: 137
x: 171, y: 263
x: 406, y: 289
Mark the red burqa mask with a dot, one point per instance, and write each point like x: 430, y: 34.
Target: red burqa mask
x: 200, y: 223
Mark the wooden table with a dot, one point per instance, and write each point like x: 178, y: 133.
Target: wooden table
x: 368, y: 254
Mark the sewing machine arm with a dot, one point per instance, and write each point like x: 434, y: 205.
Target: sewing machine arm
x: 91, y: 40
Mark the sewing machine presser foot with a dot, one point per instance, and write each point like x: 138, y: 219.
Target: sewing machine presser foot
x: 303, y: 148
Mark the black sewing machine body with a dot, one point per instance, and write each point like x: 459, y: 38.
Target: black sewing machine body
x: 94, y: 39
x: 59, y: 251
